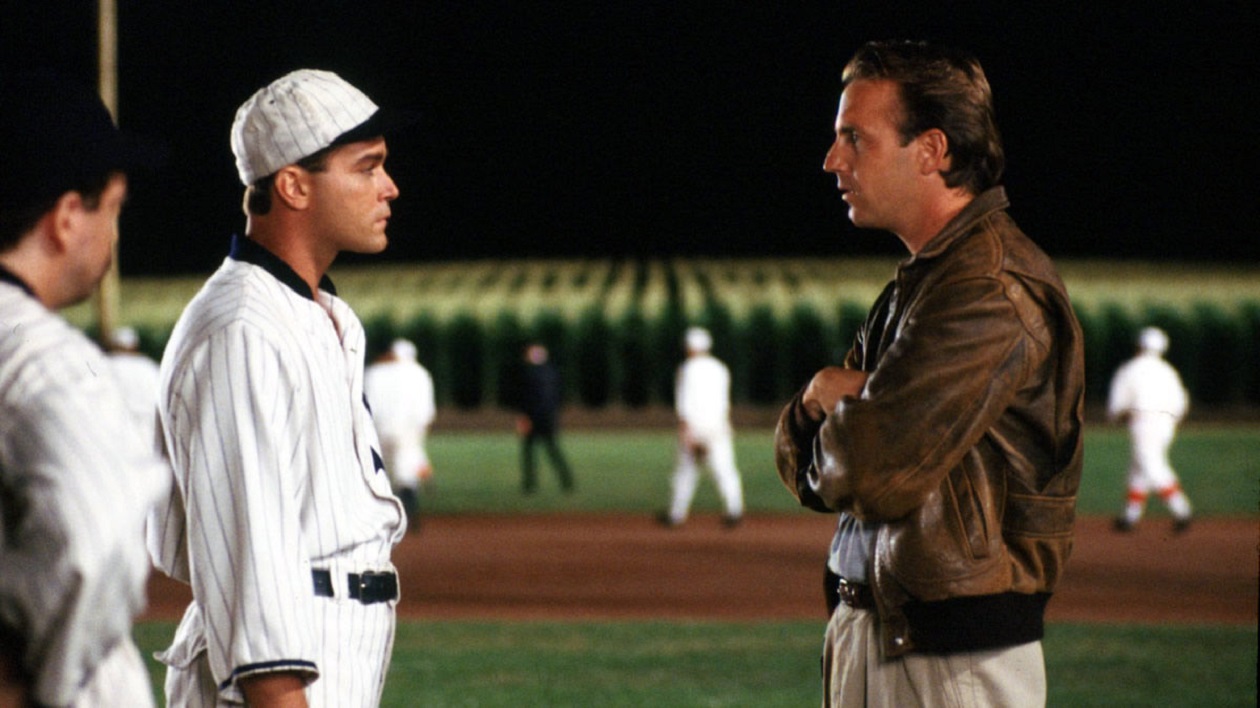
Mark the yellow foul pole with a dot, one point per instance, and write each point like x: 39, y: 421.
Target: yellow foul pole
x: 107, y: 295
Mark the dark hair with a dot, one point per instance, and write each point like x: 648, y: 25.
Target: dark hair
x: 16, y: 221
x: 940, y: 88
x: 258, y: 195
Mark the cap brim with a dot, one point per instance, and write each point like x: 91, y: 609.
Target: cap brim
x: 384, y: 122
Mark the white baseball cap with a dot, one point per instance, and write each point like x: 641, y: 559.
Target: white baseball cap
x: 296, y: 116
x: 1153, y: 339
x: 698, y: 339
x: 403, y: 349
x: 124, y: 338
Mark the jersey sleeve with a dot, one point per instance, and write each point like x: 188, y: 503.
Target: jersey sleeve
x: 425, y: 395
x: 1120, y: 392
x: 236, y: 432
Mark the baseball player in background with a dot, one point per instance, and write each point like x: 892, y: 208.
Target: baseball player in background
x: 400, y: 392
x: 76, y: 479
x: 282, y: 518
x: 1148, y: 396
x: 702, y: 399
x: 539, y: 398
x: 138, y: 375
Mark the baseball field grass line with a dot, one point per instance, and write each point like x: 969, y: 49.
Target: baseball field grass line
x: 762, y: 664
x: 629, y: 470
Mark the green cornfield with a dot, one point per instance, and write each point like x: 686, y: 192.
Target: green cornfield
x: 614, y: 325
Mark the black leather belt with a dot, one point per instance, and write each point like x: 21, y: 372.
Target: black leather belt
x: 856, y: 595
x: 367, y: 588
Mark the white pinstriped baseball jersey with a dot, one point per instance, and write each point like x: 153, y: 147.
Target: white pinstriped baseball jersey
x: 76, y: 482
x: 277, y: 472
x: 1147, y: 384
x: 401, y: 395
x: 137, y: 374
x: 702, y: 394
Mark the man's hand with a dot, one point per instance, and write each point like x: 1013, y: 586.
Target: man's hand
x: 829, y: 386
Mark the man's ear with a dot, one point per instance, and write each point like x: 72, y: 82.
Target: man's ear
x: 65, y: 222
x: 292, y: 187
x: 934, y: 155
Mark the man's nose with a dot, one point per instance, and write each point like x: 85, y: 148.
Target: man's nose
x: 832, y: 162
x: 391, y: 189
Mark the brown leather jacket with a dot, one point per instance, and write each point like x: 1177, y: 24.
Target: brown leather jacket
x: 966, y: 443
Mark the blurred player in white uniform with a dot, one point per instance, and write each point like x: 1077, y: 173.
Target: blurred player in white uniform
x: 282, y: 519
x: 76, y: 480
x: 400, y: 392
x: 702, y: 399
x: 138, y: 376
x: 1147, y: 395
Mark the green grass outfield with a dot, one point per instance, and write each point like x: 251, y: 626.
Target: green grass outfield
x: 1219, y: 466
x: 761, y: 665
x: 476, y: 663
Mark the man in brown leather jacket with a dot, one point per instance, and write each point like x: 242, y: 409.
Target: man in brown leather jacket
x: 950, y: 441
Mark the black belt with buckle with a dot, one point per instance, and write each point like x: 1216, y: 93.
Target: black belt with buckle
x: 367, y: 588
x: 856, y: 595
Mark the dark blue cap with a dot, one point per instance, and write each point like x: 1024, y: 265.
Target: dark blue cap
x: 56, y: 136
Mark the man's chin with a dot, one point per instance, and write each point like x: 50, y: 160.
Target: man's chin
x: 76, y: 298
x: 376, y: 245
x: 861, y: 220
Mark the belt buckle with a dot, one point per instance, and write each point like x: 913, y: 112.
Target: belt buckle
x: 372, y: 587
x: 851, y: 594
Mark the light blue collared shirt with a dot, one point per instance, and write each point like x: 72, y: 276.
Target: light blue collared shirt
x: 852, y: 548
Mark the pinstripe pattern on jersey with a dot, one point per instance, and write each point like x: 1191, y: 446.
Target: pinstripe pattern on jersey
x: 273, y: 450
x: 76, y: 481
x: 400, y: 396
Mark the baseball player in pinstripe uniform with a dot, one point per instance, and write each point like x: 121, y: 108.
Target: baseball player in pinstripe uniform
x: 1147, y: 395
x: 400, y: 391
x: 702, y: 399
x: 76, y: 478
x: 282, y: 518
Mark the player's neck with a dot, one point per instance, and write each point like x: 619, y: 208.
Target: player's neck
x: 36, y: 268
x: 298, y: 253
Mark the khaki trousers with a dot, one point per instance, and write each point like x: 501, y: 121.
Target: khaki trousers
x: 854, y: 673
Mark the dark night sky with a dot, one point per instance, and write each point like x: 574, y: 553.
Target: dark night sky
x: 645, y: 128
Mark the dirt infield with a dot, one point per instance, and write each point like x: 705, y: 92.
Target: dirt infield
x: 770, y: 568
